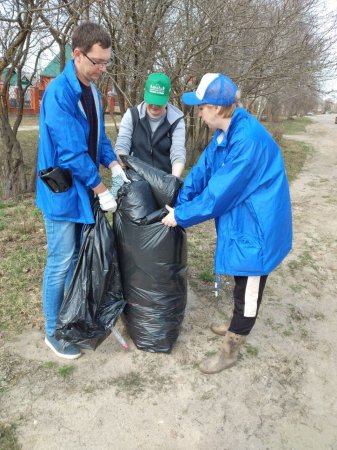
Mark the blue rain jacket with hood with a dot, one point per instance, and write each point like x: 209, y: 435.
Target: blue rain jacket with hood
x: 64, y: 132
x: 241, y: 182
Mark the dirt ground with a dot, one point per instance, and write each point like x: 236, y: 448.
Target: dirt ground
x: 281, y: 395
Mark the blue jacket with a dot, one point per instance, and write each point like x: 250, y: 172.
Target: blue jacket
x: 241, y: 182
x: 64, y: 132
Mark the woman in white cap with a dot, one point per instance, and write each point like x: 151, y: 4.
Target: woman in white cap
x: 241, y: 182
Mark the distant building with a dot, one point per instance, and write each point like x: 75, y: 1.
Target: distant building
x: 31, y: 104
x: 35, y: 93
x: 52, y: 70
x: 14, y: 78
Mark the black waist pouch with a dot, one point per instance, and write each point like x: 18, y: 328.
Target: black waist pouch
x: 57, y: 179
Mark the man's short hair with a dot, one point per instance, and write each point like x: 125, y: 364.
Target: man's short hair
x: 88, y: 34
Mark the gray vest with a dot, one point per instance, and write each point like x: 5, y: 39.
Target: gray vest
x: 154, y: 150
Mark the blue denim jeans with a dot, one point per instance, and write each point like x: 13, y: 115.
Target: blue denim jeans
x: 63, y: 242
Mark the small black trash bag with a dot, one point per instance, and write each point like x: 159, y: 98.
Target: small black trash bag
x: 164, y: 186
x: 152, y: 257
x: 94, y: 299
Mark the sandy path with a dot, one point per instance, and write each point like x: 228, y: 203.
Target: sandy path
x: 281, y: 395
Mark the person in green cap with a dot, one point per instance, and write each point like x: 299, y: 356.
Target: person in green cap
x: 154, y: 130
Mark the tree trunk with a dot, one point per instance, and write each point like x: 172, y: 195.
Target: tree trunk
x: 197, y: 138
x: 32, y: 177
x: 14, y: 180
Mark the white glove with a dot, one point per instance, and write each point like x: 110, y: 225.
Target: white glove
x: 116, y: 171
x: 107, y: 202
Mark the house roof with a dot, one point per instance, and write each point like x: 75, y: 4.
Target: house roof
x: 14, y: 78
x: 53, y: 68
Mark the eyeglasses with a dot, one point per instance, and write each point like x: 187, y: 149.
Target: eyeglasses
x: 95, y: 63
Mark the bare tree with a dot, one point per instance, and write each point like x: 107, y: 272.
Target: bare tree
x: 275, y: 50
x: 137, y: 31
x: 19, y: 27
x: 60, y: 19
x: 27, y: 28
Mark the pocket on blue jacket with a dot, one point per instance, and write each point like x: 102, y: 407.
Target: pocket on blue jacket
x: 64, y: 204
x: 245, y: 254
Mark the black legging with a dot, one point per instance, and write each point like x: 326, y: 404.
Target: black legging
x: 247, y: 293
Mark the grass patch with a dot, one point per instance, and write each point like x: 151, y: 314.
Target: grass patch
x: 22, y: 249
x: 251, y: 350
x: 288, y: 126
x: 296, y: 288
x: 296, y: 314
x: 295, y: 155
x: 65, y: 371
x: 111, y: 133
x: 27, y: 119
x: 305, y: 259
x: 304, y: 333
x: 210, y: 354
x: 223, y: 314
x: 133, y: 384
x: 206, y: 396
x: 288, y: 332
x: 295, y: 126
x: 331, y: 201
x: 319, y: 316
x: 207, y: 276
x: 29, y: 142
x: 8, y: 437
x: 294, y: 152
x: 49, y: 365
x: 201, y: 246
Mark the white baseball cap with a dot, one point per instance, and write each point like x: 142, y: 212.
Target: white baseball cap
x: 213, y: 89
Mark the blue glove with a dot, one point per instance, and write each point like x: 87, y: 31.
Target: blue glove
x: 117, y: 183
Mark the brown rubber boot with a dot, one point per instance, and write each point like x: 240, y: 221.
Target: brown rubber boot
x: 220, y: 329
x: 226, y: 357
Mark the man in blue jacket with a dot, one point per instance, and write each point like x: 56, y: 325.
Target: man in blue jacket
x: 72, y: 139
x: 241, y: 182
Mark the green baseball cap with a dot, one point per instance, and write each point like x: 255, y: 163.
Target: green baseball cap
x: 157, y: 89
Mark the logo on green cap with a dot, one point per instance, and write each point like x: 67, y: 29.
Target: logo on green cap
x: 156, y: 89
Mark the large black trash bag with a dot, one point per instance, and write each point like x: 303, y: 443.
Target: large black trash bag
x: 94, y: 300
x: 153, y: 262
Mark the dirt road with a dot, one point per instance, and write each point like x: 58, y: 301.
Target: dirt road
x: 281, y: 395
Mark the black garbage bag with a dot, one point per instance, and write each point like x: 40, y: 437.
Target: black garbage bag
x: 133, y: 208
x: 153, y: 260
x: 164, y: 186
x: 94, y: 300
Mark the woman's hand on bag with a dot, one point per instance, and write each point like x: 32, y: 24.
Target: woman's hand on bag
x: 169, y: 220
x: 117, y: 171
